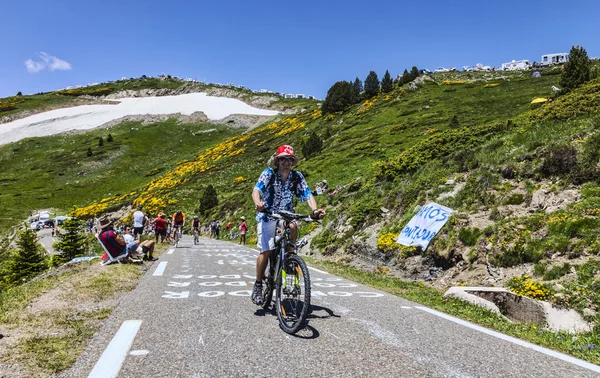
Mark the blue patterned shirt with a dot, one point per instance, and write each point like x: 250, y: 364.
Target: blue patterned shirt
x: 280, y: 196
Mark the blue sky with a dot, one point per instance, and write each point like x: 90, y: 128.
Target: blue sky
x: 285, y: 46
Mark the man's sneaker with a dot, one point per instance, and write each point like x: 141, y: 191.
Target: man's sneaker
x: 257, y: 294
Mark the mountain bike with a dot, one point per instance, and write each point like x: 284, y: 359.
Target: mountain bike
x: 288, y: 275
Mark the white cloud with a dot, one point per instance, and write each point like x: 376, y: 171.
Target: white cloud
x: 34, y: 66
x: 48, y: 61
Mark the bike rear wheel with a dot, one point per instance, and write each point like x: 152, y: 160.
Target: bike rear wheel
x: 293, y: 294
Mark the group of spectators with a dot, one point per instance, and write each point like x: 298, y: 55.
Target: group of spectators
x: 127, y: 239
x: 124, y: 246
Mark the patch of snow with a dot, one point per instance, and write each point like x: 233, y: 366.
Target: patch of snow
x: 88, y: 117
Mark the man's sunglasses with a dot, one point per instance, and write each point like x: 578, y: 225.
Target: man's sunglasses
x: 286, y: 159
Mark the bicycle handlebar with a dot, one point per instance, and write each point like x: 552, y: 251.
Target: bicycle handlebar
x: 288, y: 215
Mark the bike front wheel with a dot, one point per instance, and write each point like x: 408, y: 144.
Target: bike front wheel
x: 293, y: 294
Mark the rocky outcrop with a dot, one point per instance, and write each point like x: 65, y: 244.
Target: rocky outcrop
x: 550, y: 201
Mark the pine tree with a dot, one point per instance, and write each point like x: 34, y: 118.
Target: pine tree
x: 312, y: 146
x: 109, y: 138
x: 339, y: 97
x: 208, y: 200
x: 387, y: 85
x: 25, y: 262
x: 100, y: 142
x: 414, y: 73
x: 89, y: 151
x: 73, y: 243
x: 405, y: 77
x: 371, y: 85
x: 357, y: 89
x: 577, y: 69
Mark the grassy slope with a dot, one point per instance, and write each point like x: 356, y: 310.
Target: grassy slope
x: 55, y: 172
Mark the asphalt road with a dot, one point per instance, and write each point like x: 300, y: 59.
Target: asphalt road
x: 191, y: 316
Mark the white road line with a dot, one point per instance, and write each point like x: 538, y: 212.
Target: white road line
x: 139, y: 352
x: 170, y: 251
x: 406, y: 307
x: 110, y: 362
x: 160, y: 269
x: 317, y: 270
x: 549, y: 352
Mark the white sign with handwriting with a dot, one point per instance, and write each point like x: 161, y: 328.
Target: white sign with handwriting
x: 425, y: 225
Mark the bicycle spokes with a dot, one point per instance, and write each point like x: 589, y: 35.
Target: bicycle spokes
x: 293, y: 294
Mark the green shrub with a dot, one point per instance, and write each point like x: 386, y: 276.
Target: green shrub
x: 531, y: 252
x: 558, y: 243
x: 477, y: 190
x: 312, y: 146
x: 495, y: 214
x: 559, y: 159
x: 469, y: 236
x: 208, y: 199
x: 514, y: 199
x: 557, y: 272
x: 539, y: 269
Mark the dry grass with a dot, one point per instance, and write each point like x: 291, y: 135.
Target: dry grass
x: 47, y: 323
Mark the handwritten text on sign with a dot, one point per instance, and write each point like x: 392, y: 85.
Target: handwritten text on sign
x: 425, y: 225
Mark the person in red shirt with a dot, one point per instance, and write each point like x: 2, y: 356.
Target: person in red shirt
x: 114, y: 244
x: 160, y: 227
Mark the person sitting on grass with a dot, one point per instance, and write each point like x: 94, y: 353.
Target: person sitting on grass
x: 145, y: 247
x: 115, y: 244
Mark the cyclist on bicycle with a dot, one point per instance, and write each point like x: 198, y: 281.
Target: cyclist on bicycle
x: 178, y: 221
x: 196, y: 226
x: 274, y: 191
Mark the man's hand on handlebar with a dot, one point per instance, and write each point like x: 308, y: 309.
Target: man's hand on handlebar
x: 319, y: 213
x: 260, y: 206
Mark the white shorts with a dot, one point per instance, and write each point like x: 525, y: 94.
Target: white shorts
x: 265, y: 235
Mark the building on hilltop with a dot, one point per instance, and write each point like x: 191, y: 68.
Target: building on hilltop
x: 554, y: 59
x: 516, y: 65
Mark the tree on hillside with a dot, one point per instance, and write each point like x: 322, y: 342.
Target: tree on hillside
x: 19, y: 94
x: 414, y: 73
x: 339, y: 97
x: 312, y: 146
x: 387, y: 85
x: 208, y: 199
x: 89, y: 151
x: 25, y: 262
x: 357, y: 89
x: 73, y: 242
x: 577, y: 69
x: 100, y: 142
x: 371, y: 85
x: 109, y: 138
x: 454, y: 124
x: 405, y: 78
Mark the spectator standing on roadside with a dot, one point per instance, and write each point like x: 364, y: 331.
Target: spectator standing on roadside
x: 243, y: 229
x: 169, y: 230
x: 160, y: 227
x: 212, y: 226
x: 217, y: 228
x: 139, y: 218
